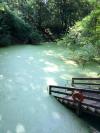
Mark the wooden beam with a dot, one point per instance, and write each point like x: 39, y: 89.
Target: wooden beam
x: 85, y: 78
x: 73, y: 88
x: 70, y: 100
x: 82, y: 79
x: 87, y: 83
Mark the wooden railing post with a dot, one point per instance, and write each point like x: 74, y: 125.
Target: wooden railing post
x: 72, y: 81
x: 78, y: 109
x: 49, y: 89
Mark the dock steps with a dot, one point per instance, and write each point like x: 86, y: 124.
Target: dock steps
x: 90, y: 104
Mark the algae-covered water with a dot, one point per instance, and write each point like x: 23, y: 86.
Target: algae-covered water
x: 25, y: 106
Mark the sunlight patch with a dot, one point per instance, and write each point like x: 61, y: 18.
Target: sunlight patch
x: 45, y: 91
x: 70, y: 62
x: 32, y: 86
x: 31, y: 58
x: 66, y: 77
x: 0, y: 117
x: 10, y: 80
x: 56, y: 115
x: 41, y: 60
x: 51, y: 69
x: 20, y: 128
x: 50, y: 52
x: 1, y: 76
x: 18, y: 56
x: 49, y: 63
x: 51, y: 81
x: 93, y: 74
x: 30, y: 76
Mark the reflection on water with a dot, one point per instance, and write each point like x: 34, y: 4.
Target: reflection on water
x: 25, y: 106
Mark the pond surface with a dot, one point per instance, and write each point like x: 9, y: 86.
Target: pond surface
x: 25, y: 106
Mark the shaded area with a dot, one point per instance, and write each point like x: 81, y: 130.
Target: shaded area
x: 25, y: 106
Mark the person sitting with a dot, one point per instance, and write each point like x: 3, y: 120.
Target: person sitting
x: 78, y: 96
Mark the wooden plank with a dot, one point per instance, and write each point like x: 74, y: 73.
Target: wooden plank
x: 92, y: 98
x: 91, y: 102
x: 59, y: 92
x: 73, y: 88
x: 87, y: 97
x: 85, y: 78
x: 91, y: 109
x: 89, y: 105
x: 67, y: 99
x: 87, y: 83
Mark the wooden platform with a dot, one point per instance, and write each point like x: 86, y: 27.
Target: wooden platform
x: 91, y: 103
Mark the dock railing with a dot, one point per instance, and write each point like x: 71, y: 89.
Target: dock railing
x: 90, y: 82
x: 64, y: 94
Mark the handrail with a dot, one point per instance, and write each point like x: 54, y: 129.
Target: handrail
x: 73, y: 88
x: 86, y: 97
x: 86, y: 78
x: 83, y: 79
x: 59, y: 93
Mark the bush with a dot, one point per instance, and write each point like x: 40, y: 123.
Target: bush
x: 18, y: 28
x: 85, y: 54
x: 14, y: 30
x: 83, y: 38
x: 35, y: 37
x: 5, y: 40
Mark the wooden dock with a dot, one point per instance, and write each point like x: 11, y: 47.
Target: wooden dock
x: 91, y: 102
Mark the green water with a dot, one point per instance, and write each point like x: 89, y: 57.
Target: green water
x: 25, y: 106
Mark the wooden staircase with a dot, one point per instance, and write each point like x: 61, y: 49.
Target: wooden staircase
x: 91, y: 102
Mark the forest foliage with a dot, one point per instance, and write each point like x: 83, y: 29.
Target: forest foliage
x: 76, y: 23
x: 30, y: 21
x: 83, y: 39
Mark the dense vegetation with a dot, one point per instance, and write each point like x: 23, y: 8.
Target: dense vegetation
x: 29, y: 21
x: 75, y: 22
x: 13, y: 29
x: 83, y: 39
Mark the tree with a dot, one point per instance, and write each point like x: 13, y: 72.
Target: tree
x: 56, y: 15
x: 84, y: 37
x: 66, y: 12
